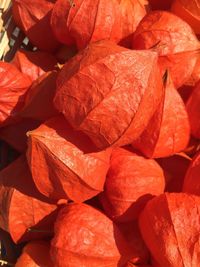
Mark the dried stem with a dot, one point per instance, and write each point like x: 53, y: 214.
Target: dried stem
x: 2, y: 263
x: 71, y: 2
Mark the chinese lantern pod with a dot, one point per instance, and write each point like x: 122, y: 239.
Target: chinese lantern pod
x: 85, y: 236
x: 35, y: 254
x: 168, y: 131
x: 42, y: 91
x: 175, y: 168
x: 76, y: 172
x: 188, y: 11
x: 59, y: 21
x: 191, y: 183
x: 132, y: 12
x: 195, y: 77
x: 35, y: 22
x: 139, y: 252
x: 194, y: 111
x: 180, y: 66
x: 13, y: 86
x: 116, y: 109
x: 170, y: 227
x: 132, y: 181
x: 18, y: 140
x: 72, y: 23
x: 173, y: 39
x: 34, y: 64
x: 24, y: 212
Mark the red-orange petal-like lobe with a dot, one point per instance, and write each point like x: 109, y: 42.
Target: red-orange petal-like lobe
x: 168, y: 131
x: 64, y: 163
x: 109, y: 92
x: 35, y: 254
x: 132, y: 12
x: 13, y: 87
x: 132, y: 181
x: 85, y: 21
x: 173, y: 39
x: 33, y: 18
x: 170, y: 227
x: 188, y: 11
x: 85, y: 237
x: 24, y: 212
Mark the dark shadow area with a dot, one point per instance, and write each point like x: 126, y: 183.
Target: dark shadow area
x: 39, y: 98
x: 77, y: 138
x: 18, y: 176
x: 9, y: 251
x: 42, y: 230
x: 41, y: 34
x: 122, y: 246
x: 7, y: 154
x: 15, y: 134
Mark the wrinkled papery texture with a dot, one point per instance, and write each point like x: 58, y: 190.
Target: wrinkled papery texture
x: 195, y: 77
x: 86, y: 237
x: 39, y: 99
x: 33, y: 18
x: 175, y: 168
x: 15, y: 134
x: 139, y: 252
x: 64, y: 163
x: 132, y: 12
x: 191, y: 183
x: 60, y: 21
x: 22, y: 207
x: 109, y: 92
x: 131, y: 182
x: 73, y: 23
x: 34, y: 64
x: 193, y: 109
x: 168, y: 131
x: 35, y: 254
x: 188, y: 11
x: 13, y: 87
x: 160, y: 4
x: 173, y: 39
x: 180, y: 66
x: 170, y: 227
